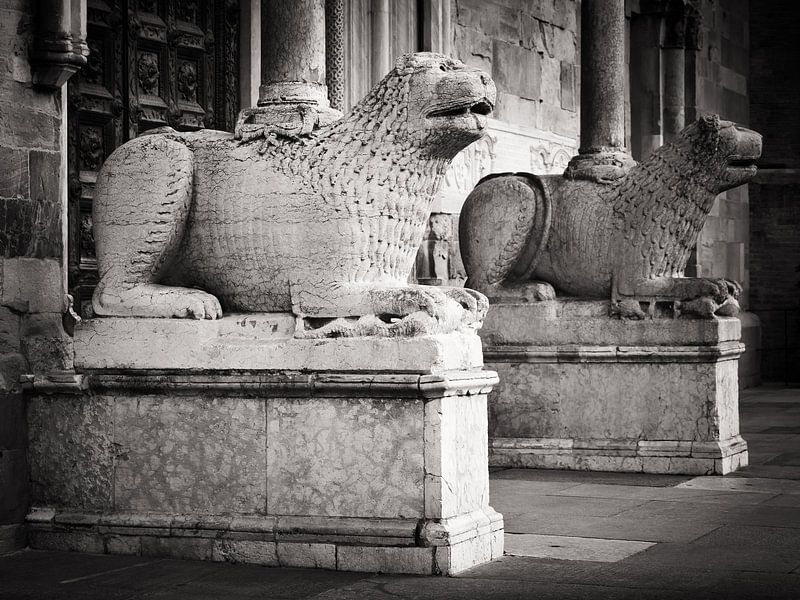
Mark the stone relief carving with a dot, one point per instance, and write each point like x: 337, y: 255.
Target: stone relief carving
x: 524, y: 236
x: 470, y: 165
x: 91, y: 148
x: 324, y: 222
x: 187, y: 81
x: 546, y: 158
x: 147, y: 72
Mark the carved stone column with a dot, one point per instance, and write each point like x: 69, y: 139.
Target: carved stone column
x: 603, y: 155
x: 381, y: 55
x: 334, y: 51
x: 293, y: 93
x: 59, y: 44
x: 673, y: 60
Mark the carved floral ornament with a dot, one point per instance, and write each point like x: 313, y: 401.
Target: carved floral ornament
x: 147, y: 72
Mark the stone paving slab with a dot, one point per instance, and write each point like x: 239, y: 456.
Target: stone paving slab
x: 680, y: 529
x: 734, y: 484
x: 572, y: 478
x: 676, y: 494
x: 730, y: 548
x: 572, y: 548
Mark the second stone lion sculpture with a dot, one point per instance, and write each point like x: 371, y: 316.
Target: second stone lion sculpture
x: 526, y: 237
x: 323, y: 222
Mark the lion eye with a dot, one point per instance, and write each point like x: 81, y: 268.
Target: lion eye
x: 442, y: 68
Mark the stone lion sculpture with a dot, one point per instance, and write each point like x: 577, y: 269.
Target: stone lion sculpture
x: 324, y: 221
x: 524, y: 236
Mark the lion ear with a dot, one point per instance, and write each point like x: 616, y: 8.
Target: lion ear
x: 709, y: 123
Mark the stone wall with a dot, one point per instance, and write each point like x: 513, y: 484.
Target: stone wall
x: 721, y: 87
x: 31, y: 288
x: 531, y: 50
x: 775, y: 194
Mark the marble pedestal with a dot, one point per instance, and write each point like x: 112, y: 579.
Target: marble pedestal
x: 581, y: 390
x: 231, y: 441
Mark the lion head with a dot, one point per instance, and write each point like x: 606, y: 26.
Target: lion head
x: 431, y: 102
x: 727, y: 152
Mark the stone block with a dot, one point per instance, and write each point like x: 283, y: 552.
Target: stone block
x: 246, y: 551
x: 25, y: 127
x: 298, y: 554
x: 32, y: 285
x: 45, y: 344
x: 518, y: 111
x: 66, y: 541
x: 260, y: 341
x: 569, y: 101
x: 551, y: 82
x: 516, y: 70
x: 345, y: 457
x: 14, y: 180
x: 473, y: 47
x: 455, y: 480
x: 199, y: 455
x: 183, y: 548
x: 71, y: 451
x: 123, y: 544
x: 9, y: 331
x: 386, y: 560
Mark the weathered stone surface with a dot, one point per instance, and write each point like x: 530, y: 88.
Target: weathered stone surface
x: 385, y: 560
x: 14, y: 180
x: 582, y: 390
x: 260, y: 341
x: 320, y: 556
x: 246, y: 551
x: 343, y: 457
x: 341, y: 212
x: 628, y: 239
x: 45, y: 344
x: 32, y: 285
x: 71, y: 451
x: 189, y: 455
x: 525, y: 83
x: 455, y: 480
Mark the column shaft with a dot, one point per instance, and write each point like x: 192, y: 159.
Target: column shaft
x: 602, y: 75
x: 293, y: 52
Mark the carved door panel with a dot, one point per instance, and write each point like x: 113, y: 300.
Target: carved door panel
x: 152, y: 63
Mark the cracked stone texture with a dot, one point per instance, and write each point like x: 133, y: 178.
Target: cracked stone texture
x: 324, y: 224
x: 456, y: 481
x: 627, y: 238
x: 189, y: 454
x: 345, y: 457
x: 71, y: 451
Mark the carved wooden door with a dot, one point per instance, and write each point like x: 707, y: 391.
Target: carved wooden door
x: 152, y: 63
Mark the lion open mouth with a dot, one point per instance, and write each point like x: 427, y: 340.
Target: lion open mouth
x: 481, y: 107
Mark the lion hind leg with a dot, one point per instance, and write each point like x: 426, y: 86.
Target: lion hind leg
x: 504, y: 227
x: 142, y: 199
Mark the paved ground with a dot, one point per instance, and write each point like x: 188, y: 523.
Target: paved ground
x: 568, y: 535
